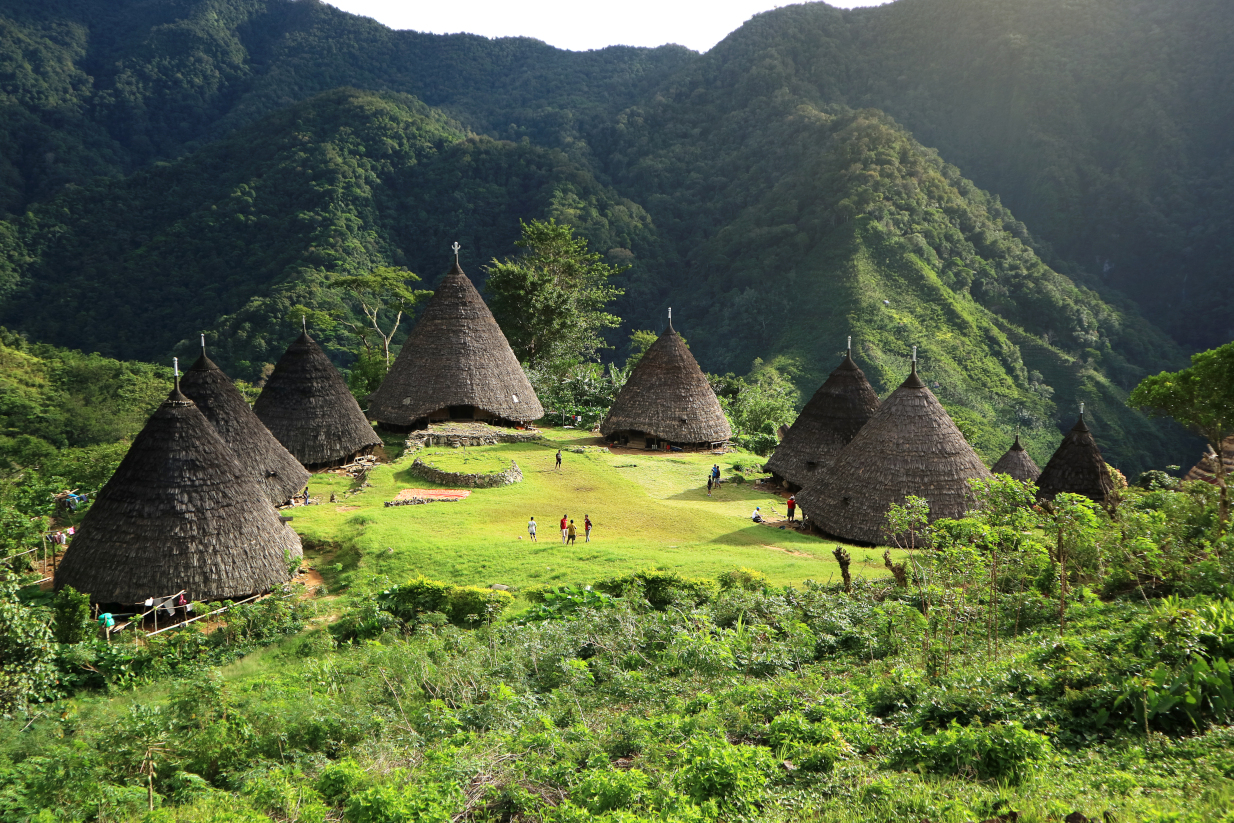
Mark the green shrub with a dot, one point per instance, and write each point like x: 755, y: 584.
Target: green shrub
x: 607, y: 790
x: 413, y: 601
x: 660, y: 589
x: 1003, y: 751
x: 565, y: 603
x: 73, y: 622
x: 750, y: 580
x: 467, y: 605
x: 415, y: 802
x: 338, y: 781
x: 734, y: 776
x: 409, y: 600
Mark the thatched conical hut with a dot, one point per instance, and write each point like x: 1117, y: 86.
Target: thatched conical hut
x: 278, y: 473
x: 910, y: 446
x: 1077, y: 467
x: 667, y: 399
x: 307, y: 407
x: 456, y: 364
x: 834, y: 415
x: 180, y: 513
x: 1206, y: 469
x: 1017, y: 464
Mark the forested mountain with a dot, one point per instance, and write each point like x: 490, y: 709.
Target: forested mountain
x: 206, y: 164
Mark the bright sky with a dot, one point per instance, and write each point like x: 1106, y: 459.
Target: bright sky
x: 577, y: 24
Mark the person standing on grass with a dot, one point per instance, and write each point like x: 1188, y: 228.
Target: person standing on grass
x: 792, y: 506
x: 531, y: 529
x: 572, y: 534
x: 558, y: 460
x: 563, y: 530
x: 709, y: 484
x: 587, y: 528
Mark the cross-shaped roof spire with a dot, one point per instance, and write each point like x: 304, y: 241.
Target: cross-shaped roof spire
x: 456, y: 247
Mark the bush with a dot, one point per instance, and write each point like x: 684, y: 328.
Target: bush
x: 1004, y: 751
x: 411, y: 602
x: 73, y: 622
x: 660, y: 589
x: 608, y: 790
x: 415, y: 802
x: 743, y: 578
x: 414, y: 598
x: 466, y: 605
x: 338, y: 781
x: 733, y: 776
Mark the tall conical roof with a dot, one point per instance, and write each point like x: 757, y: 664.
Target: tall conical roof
x: 1017, y: 464
x: 455, y: 356
x: 834, y: 415
x: 668, y: 396
x: 278, y: 473
x: 308, y: 408
x: 1206, y: 469
x: 179, y: 513
x: 1076, y: 467
x: 910, y: 446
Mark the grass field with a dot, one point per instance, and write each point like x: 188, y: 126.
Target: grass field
x: 649, y: 510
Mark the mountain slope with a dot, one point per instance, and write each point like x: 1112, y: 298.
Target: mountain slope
x: 231, y: 237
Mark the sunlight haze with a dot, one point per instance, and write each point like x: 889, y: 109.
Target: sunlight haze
x: 577, y: 26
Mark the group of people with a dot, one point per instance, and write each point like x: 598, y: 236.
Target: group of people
x: 757, y: 514
x: 568, y: 530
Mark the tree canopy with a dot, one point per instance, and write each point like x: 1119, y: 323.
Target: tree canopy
x: 550, y: 300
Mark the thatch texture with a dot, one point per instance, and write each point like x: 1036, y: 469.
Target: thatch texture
x: 910, y: 446
x: 179, y: 513
x: 278, y: 473
x: 834, y: 415
x: 307, y: 407
x: 1206, y: 469
x: 1017, y: 464
x: 1076, y: 467
x: 455, y: 356
x: 668, y: 397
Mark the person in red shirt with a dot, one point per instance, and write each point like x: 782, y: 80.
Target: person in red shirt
x: 587, y: 527
x: 792, y: 506
x: 564, y: 529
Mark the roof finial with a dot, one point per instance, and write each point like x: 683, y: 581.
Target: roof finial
x: 1081, y: 408
x: 175, y: 367
x: 850, y: 345
x: 456, y: 247
x: 304, y: 322
x: 670, y: 317
x: 203, y: 344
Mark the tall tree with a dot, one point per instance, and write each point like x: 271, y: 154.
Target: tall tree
x: 380, y: 293
x: 1200, y: 397
x: 550, y: 298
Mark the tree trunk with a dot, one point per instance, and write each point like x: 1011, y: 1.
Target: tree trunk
x: 1062, y: 585
x: 1223, y: 500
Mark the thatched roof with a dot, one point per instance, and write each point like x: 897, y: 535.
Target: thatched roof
x: 910, y: 446
x: 179, y: 513
x: 306, y: 405
x: 834, y: 415
x: 667, y: 396
x: 278, y: 473
x: 1017, y: 464
x: 1206, y: 469
x: 1076, y: 467
x: 455, y: 356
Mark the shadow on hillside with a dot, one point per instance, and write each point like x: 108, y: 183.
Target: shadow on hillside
x: 754, y: 535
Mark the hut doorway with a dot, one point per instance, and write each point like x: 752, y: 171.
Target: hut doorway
x: 462, y: 412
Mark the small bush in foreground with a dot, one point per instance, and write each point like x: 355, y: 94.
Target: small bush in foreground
x: 1005, y: 751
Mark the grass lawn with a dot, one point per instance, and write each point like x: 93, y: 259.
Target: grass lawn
x: 649, y: 510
